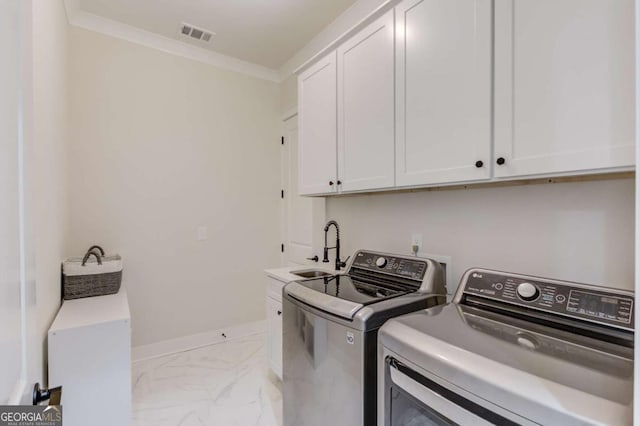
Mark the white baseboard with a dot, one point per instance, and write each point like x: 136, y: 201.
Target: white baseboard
x: 181, y: 344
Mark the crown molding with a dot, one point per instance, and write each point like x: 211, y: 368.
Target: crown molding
x: 290, y: 113
x: 99, y: 24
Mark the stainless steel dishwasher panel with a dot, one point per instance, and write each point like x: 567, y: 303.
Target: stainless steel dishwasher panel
x: 322, y: 369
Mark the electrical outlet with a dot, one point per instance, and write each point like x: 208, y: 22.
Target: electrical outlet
x: 416, y: 240
x: 201, y: 233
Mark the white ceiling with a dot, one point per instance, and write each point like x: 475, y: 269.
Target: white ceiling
x: 263, y: 32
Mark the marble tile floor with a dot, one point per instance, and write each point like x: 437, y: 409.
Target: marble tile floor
x: 226, y: 384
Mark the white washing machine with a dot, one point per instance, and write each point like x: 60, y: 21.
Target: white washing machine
x: 511, y: 349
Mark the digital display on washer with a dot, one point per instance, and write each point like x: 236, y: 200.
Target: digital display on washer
x: 412, y: 269
x: 596, y: 305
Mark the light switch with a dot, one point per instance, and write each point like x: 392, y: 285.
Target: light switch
x: 201, y: 233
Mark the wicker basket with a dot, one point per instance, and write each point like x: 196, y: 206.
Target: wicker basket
x: 92, y: 275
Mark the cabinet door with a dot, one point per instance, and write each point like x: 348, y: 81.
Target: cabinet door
x: 274, y: 335
x: 443, y: 85
x: 564, y: 99
x: 317, y: 124
x: 366, y: 108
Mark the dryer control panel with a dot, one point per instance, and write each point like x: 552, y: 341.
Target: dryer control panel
x: 601, y: 305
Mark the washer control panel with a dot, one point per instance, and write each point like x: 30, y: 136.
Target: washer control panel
x: 582, y: 301
x: 414, y: 269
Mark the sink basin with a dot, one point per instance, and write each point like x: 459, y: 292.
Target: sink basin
x: 313, y: 273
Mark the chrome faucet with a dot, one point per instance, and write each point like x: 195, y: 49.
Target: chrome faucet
x: 339, y: 263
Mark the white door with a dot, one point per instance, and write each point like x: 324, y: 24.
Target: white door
x: 443, y: 91
x: 302, y: 217
x: 14, y: 53
x: 317, y: 115
x: 366, y: 115
x: 565, y: 85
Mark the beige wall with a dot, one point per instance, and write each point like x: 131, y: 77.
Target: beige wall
x: 573, y: 231
x: 47, y: 173
x: 162, y: 145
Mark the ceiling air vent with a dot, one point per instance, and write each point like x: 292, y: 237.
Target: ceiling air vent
x: 191, y: 31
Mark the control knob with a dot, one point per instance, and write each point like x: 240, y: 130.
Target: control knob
x: 528, y: 291
x: 381, y: 262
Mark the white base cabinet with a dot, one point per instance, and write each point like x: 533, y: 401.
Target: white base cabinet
x: 274, y: 325
x: 90, y: 357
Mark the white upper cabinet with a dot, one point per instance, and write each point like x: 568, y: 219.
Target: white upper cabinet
x: 317, y: 128
x: 564, y: 91
x: 366, y: 116
x: 440, y: 92
x: 443, y: 84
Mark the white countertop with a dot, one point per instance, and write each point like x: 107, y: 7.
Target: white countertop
x: 285, y: 275
x: 92, y: 310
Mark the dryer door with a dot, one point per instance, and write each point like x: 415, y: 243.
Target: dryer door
x: 411, y: 398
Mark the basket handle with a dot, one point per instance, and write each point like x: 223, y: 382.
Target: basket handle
x: 86, y: 257
x: 96, y: 247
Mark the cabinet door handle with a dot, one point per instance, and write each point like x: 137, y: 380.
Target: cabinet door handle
x: 330, y: 183
x: 279, y: 312
x: 479, y: 164
x: 500, y: 161
x: 339, y: 182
